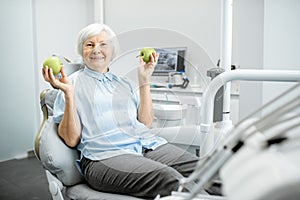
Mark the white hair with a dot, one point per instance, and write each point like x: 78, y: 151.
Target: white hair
x: 92, y: 30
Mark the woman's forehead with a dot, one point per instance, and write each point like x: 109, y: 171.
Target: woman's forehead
x: 101, y: 36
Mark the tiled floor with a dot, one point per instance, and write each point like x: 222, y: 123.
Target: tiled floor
x: 23, y: 179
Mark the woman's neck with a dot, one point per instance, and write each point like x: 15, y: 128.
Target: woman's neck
x: 99, y: 69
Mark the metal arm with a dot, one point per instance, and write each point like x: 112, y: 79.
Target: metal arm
x: 219, y: 81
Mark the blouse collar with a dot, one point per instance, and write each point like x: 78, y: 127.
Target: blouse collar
x: 103, y: 77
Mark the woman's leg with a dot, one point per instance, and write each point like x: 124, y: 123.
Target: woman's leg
x: 132, y: 175
x: 184, y: 162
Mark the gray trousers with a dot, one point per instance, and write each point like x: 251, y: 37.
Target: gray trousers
x: 156, y: 172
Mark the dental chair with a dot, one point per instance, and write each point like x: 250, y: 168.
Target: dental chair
x: 65, y: 181
x: 59, y: 160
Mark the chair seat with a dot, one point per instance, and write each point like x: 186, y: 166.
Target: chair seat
x: 83, y: 191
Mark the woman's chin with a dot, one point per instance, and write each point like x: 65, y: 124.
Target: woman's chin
x: 97, y: 67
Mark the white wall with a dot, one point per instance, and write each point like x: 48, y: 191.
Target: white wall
x: 266, y: 37
x: 30, y: 32
x: 281, y: 41
x: 248, y: 37
x: 169, y: 23
x: 197, y: 19
x: 57, y: 25
x: 18, y: 112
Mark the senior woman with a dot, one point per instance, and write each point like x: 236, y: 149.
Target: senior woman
x: 108, y: 121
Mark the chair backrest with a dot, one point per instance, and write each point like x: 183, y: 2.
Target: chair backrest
x: 53, y: 153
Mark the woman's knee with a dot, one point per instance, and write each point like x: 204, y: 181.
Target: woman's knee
x: 167, y: 180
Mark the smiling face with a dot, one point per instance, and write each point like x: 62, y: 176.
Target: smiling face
x: 97, y: 52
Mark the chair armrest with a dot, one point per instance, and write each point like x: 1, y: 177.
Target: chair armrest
x: 45, y: 117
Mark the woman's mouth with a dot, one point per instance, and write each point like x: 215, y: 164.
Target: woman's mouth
x: 97, y: 58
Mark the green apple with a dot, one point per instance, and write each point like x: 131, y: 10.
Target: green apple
x: 146, y: 52
x: 54, y: 63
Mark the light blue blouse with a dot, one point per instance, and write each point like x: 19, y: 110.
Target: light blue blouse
x: 107, y: 107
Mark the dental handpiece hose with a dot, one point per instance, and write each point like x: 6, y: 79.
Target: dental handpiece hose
x: 209, y: 171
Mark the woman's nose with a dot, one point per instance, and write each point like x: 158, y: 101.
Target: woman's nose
x: 97, y: 49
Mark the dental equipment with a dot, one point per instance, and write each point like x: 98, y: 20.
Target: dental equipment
x: 215, y: 158
x: 220, y: 80
x: 69, y: 66
x: 208, y: 169
x: 218, y: 104
x: 226, y: 50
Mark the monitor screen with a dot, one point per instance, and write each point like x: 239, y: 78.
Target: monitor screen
x: 170, y: 59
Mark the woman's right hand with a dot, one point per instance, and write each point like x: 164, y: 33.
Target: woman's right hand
x: 63, y: 83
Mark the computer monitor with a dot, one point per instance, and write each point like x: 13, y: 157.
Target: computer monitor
x: 171, y: 59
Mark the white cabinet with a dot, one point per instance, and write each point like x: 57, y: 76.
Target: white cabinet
x: 178, y: 106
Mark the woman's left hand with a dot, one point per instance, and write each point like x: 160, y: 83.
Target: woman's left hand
x: 145, y: 70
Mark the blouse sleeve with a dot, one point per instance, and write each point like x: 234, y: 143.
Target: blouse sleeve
x: 59, y: 107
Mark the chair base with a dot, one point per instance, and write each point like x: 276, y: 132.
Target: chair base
x: 79, y: 191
